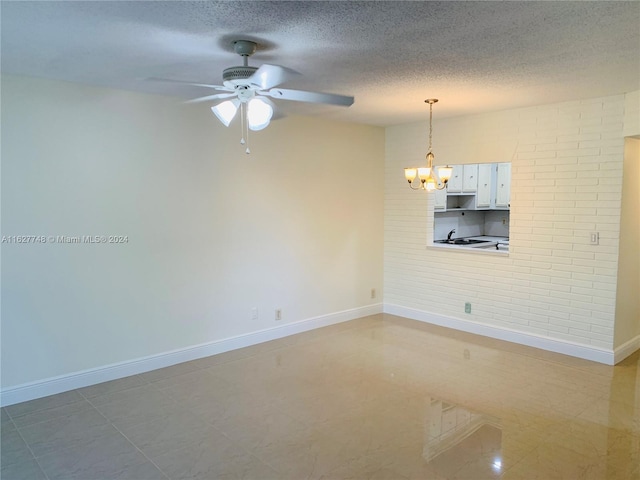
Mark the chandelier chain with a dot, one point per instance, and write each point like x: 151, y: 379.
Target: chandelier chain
x: 430, y: 124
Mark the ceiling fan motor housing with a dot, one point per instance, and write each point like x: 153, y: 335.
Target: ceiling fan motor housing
x: 237, y: 73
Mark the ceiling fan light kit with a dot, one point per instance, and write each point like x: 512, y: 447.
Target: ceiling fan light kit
x: 226, y: 111
x: 430, y: 177
x: 259, y: 113
x: 247, y: 89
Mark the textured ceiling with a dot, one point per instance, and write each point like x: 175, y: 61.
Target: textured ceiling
x: 473, y: 56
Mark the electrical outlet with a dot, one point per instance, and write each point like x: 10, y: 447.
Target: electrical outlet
x: 254, y: 313
x: 373, y: 293
x: 594, y: 238
x: 504, y: 220
x: 278, y: 314
x: 467, y: 307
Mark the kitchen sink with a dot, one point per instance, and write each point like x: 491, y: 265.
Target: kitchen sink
x: 460, y: 241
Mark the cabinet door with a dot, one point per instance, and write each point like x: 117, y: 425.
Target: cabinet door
x: 455, y: 182
x: 470, y: 178
x: 483, y: 195
x: 440, y: 199
x: 503, y: 187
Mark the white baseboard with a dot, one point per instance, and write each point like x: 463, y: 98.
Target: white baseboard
x: 626, y: 349
x: 587, y: 352
x: 63, y: 383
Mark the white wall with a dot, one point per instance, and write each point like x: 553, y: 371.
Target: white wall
x: 628, y: 301
x: 212, y: 232
x: 566, y: 183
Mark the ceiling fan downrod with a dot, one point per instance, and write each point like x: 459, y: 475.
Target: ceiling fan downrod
x: 245, y: 48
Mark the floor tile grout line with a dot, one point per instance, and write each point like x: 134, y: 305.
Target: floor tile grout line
x: 7, y: 412
x: 43, y: 410
x: 190, y: 443
x: 123, y: 435
x: 176, y: 402
x: 141, y: 452
x: 130, y: 442
x: 237, y: 444
x: 33, y: 456
x: 145, y: 384
x: 108, y: 421
x: 8, y: 407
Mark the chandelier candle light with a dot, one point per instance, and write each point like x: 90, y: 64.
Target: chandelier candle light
x: 430, y: 178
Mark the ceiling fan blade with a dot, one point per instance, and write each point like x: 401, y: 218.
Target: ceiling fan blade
x: 205, y: 85
x: 312, y: 97
x: 217, y: 96
x: 268, y: 76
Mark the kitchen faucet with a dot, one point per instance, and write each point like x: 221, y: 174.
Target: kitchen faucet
x: 451, y: 233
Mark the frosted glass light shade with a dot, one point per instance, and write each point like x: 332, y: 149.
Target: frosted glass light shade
x: 259, y: 114
x: 410, y: 174
x: 225, y: 111
x: 423, y: 173
x: 445, y: 173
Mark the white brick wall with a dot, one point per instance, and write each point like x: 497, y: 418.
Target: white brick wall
x: 567, y: 163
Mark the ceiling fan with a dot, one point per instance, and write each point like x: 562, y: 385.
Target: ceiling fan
x: 249, y: 90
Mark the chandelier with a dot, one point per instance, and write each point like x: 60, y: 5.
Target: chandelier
x: 430, y: 178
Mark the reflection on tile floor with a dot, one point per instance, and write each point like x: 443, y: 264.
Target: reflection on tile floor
x: 377, y: 398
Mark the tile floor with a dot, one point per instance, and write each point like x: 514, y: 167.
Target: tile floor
x: 377, y: 398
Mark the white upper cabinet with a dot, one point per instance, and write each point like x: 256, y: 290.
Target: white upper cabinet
x: 483, y: 193
x: 484, y: 186
x: 440, y: 199
x: 455, y: 182
x: 503, y: 185
x: 470, y: 178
